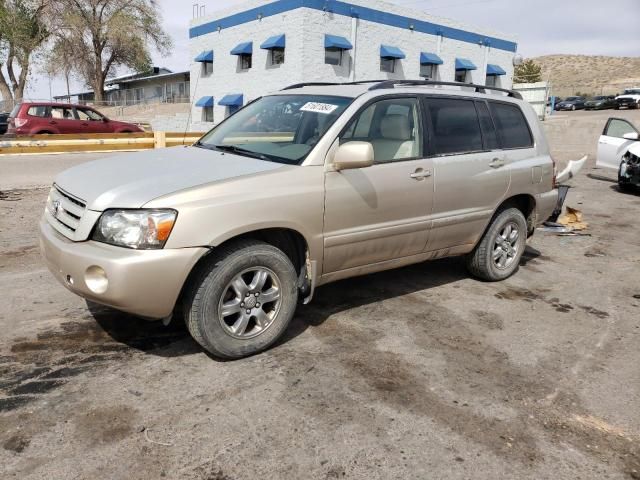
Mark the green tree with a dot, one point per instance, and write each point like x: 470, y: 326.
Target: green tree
x: 23, y: 32
x: 527, y: 72
x: 106, y: 34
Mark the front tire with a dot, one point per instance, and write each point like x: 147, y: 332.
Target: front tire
x: 242, y: 299
x: 498, y: 254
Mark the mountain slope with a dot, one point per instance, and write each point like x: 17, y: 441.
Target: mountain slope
x: 570, y: 74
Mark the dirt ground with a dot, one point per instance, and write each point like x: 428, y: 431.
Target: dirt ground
x: 415, y: 373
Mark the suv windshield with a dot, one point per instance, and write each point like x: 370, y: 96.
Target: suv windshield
x: 632, y: 91
x: 280, y: 128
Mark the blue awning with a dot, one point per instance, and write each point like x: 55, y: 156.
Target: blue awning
x: 205, y: 102
x: 206, y: 56
x: 495, y: 70
x: 430, y: 59
x: 277, y: 41
x: 387, y: 51
x: 232, y: 100
x: 464, y: 64
x: 245, y: 48
x: 339, y: 43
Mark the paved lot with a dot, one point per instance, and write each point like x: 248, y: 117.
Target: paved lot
x: 421, y: 372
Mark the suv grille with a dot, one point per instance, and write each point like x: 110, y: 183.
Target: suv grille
x: 64, y: 211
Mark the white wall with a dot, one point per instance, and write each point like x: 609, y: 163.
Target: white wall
x: 304, y: 55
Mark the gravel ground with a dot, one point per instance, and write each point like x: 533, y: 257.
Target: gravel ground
x: 420, y: 372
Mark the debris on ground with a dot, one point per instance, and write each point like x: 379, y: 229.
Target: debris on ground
x: 573, y: 219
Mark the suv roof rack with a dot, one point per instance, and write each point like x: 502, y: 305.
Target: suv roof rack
x: 382, y: 84
x: 429, y: 83
x: 327, y: 84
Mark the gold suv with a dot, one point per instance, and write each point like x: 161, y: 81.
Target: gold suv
x: 303, y: 187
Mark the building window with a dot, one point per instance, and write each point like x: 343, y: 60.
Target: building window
x: 461, y: 76
x: 207, y: 69
x: 207, y: 114
x: 492, y: 81
x: 231, y: 109
x: 387, y: 65
x: 245, y: 62
x: 428, y: 71
x: 333, y: 56
x: 277, y: 56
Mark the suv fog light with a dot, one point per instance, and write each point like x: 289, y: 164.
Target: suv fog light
x: 69, y: 279
x: 96, y: 279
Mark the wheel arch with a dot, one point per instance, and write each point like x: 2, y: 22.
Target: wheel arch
x: 524, y: 202
x: 290, y: 241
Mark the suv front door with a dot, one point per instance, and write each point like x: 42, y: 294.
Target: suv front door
x: 381, y: 212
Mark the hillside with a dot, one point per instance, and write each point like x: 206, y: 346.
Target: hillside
x: 570, y: 74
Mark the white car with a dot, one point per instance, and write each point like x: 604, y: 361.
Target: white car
x: 619, y: 149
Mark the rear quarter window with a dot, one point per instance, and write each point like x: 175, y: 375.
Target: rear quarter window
x: 513, y: 129
x: 37, y: 111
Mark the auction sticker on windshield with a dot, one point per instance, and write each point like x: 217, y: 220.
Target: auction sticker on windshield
x: 316, y: 107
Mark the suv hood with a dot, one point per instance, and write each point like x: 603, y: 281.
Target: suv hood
x: 133, y: 179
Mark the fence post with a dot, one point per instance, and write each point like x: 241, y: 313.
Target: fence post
x: 159, y: 139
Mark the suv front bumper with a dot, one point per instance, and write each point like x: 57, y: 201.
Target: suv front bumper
x: 141, y: 282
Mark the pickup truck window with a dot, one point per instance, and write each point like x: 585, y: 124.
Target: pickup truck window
x: 280, y: 128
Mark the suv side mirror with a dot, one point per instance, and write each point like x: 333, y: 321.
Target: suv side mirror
x: 631, y: 136
x: 353, y: 155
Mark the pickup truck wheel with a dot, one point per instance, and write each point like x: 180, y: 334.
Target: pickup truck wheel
x: 242, y: 299
x: 498, y: 254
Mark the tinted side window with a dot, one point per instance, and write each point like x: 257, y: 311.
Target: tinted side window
x: 513, y: 129
x: 455, y: 126
x: 488, y: 130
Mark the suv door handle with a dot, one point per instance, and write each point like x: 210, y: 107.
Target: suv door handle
x: 420, y: 174
x: 52, y: 122
x: 497, y: 163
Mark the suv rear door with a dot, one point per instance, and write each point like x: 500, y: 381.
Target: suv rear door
x: 612, y: 144
x: 380, y: 212
x: 63, y: 119
x: 471, y: 171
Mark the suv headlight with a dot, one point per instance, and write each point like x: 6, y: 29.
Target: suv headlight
x: 139, y: 229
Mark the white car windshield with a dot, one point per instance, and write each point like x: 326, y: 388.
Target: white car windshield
x: 280, y: 128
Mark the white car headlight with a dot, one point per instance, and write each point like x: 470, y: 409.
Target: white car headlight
x: 140, y: 229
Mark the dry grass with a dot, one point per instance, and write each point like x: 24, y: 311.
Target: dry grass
x: 594, y: 75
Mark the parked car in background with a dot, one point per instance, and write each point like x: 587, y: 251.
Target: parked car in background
x: 600, y: 102
x: 571, y: 103
x: 630, y: 98
x: 331, y: 182
x: 4, y: 118
x: 33, y: 118
x: 619, y: 149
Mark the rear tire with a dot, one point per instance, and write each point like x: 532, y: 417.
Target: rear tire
x: 241, y: 299
x: 497, y: 255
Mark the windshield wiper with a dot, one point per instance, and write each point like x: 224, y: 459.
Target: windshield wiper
x: 241, y: 151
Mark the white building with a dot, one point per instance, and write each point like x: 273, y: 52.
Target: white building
x: 242, y: 53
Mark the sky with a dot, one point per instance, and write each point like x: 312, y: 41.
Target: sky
x: 541, y: 27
